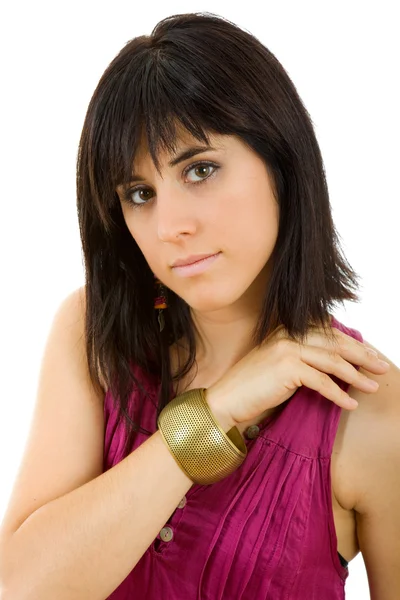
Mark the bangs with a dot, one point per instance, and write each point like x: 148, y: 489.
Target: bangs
x: 159, y: 134
x: 151, y: 104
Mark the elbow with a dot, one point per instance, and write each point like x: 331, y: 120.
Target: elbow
x: 6, y: 593
x: 8, y: 584
x: 4, y: 587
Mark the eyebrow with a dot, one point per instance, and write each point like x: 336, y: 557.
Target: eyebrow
x: 185, y: 155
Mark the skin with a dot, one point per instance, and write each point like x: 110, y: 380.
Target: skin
x: 235, y: 211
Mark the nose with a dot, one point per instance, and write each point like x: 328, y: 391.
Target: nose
x: 176, y: 215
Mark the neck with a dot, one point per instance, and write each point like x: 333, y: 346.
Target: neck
x: 222, y: 340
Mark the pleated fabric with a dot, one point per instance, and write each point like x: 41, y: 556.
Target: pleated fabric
x: 266, y: 531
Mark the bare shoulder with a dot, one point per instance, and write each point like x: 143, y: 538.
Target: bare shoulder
x: 368, y: 457
x: 64, y: 447
x: 368, y: 438
x: 73, y: 311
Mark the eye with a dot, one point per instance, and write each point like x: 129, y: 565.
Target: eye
x: 200, y: 166
x: 141, y: 201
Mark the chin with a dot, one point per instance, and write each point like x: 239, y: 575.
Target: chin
x: 211, y: 300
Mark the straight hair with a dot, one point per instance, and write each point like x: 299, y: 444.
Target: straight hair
x: 156, y: 82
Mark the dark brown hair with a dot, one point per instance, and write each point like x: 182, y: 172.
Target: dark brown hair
x: 203, y: 72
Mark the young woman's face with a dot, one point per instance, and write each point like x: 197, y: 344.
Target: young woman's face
x: 224, y: 204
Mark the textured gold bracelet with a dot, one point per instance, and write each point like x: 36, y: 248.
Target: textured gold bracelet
x: 199, y: 445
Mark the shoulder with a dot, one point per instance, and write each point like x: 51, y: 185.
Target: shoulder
x: 369, y: 457
x: 369, y: 441
x: 72, y: 312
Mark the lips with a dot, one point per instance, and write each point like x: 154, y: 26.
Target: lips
x: 190, y: 260
x: 198, y: 267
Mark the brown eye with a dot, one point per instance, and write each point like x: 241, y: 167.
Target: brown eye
x: 201, y: 169
x: 141, y: 198
x: 144, y: 191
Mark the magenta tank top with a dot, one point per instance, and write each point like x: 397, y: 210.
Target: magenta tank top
x: 264, y: 532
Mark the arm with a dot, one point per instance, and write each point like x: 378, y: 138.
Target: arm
x: 70, y: 531
x: 376, y: 472
x: 85, y: 543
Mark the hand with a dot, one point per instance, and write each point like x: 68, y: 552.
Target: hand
x: 272, y: 372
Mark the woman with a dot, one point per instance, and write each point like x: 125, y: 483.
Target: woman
x: 203, y: 453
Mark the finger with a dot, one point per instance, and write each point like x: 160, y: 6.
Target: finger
x: 349, y: 348
x: 324, y: 385
x: 334, y: 364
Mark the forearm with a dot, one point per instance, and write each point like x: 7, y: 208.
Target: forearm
x: 85, y: 543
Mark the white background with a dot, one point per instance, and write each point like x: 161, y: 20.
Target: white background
x: 344, y: 60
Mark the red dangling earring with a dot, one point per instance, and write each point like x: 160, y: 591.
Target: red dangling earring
x: 160, y: 302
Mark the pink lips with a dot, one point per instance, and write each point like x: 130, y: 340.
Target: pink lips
x: 196, y: 267
x: 182, y: 262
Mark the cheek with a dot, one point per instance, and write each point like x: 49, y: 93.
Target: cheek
x: 254, y: 224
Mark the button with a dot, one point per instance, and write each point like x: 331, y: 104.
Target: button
x: 182, y: 503
x: 252, y: 432
x: 166, y: 534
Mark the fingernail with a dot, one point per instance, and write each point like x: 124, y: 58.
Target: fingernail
x: 371, y: 351
x: 373, y: 385
x: 383, y: 363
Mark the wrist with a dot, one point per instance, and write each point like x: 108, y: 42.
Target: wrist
x: 213, y: 398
